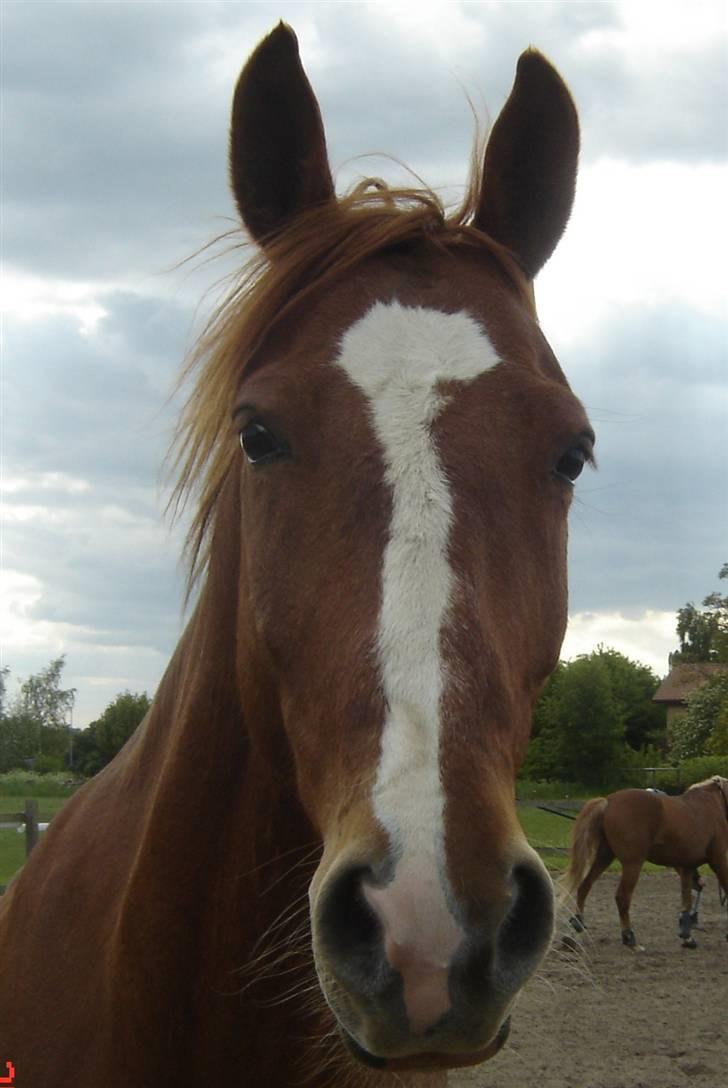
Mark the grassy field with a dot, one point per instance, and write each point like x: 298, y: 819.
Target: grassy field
x: 542, y: 829
x: 546, y: 830
x: 12, y: 843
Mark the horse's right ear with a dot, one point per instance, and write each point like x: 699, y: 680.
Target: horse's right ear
x: 278, y: 161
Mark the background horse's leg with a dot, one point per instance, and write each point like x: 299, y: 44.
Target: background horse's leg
x: 687, y: 880
x: 602, y: 859
x: 698, y: 886
x: 623, y: 897
x: 719, y: 865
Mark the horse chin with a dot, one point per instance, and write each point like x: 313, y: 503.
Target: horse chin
x: 427, y: 1062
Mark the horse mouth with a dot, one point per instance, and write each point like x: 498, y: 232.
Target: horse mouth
x: 425, y: 1062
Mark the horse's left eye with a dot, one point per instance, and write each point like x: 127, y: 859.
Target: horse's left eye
x: 570, y: 465
x: 260, y: 445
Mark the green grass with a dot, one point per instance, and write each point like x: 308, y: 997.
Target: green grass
x: 543, y: 829
x: 16, y: 784
x: 12, y: 844
x: 555, y: 791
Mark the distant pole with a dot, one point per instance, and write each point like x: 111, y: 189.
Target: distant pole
x: 70, y: 731
x: 31, y: 825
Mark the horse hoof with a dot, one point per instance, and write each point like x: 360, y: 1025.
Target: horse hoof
x: 577, y: 923
x: 690, y: 942
x: 628, y: 938
x: 568, y: 944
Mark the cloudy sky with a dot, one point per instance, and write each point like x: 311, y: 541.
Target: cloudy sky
x: 114, y: 119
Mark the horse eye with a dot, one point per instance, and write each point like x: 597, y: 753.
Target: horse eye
x: 259, y: 444
x: 570, y: 465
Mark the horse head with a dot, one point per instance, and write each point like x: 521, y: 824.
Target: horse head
x: 409, y: 446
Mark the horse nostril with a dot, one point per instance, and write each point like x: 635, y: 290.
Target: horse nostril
x: 348, y: 928
x: 527, y: 928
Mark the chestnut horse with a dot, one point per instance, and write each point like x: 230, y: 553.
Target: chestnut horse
x: 306, y: 868
x: 636, y: 826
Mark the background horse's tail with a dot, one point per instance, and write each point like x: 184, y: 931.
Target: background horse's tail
x: 585, y: 839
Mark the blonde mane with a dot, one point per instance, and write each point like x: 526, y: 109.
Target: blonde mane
x: 714, y: 780
x: 320, y: 247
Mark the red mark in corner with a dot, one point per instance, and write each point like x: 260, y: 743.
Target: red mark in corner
x: 10, y: 1079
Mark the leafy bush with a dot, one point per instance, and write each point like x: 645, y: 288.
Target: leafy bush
x: 593, y: 718
x: 30, y: 784
x: 633, y: 773
x: 48, y: 764
x: 704, y: 727
x: 530, y: 790
x: 695, y: 770
x: 103, y: 739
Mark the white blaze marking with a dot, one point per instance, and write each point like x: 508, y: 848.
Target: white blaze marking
x: 398, y: 356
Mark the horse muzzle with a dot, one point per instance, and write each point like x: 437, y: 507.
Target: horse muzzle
x: 415, y: 983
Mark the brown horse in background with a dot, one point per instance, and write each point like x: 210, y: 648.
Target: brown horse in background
x: 306, y: 867
x: 636, y: 826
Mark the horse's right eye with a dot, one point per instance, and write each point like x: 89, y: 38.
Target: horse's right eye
x: 261, y: 445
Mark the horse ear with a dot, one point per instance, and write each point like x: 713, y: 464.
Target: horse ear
x: 278, y: 161
x: 529, y: 175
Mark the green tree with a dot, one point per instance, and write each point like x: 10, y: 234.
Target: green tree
x: 18, y: 741
x: 718, y: 740
x: 542, y: 757
x: 633, y: 686
x: 97, y: 745
x: 43, y: 700
x: 703, y: 729
x: 592, y: 729
x: 593, y: 714
x: 717, y: 604
x: 580, y: 723
x: 703, y: 635
x: 33, y: 725
x: 4, y: 671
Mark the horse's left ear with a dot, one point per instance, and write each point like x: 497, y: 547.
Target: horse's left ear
x: 278, y: 161
x: 529, y: 176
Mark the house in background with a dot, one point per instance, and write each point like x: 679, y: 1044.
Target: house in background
x: 682, y: 681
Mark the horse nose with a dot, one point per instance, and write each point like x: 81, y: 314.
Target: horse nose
x: 392, y: 942
x: 503, y: 956
x: 528, y: 927
x: 347, y: 926
x: 432, y: 971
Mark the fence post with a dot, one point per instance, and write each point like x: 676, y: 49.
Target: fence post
x: 31, y: 826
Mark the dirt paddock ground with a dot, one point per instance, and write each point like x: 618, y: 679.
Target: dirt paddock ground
x: 607, y: 1017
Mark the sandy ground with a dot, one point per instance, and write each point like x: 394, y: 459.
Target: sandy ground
x: 607, y: 1017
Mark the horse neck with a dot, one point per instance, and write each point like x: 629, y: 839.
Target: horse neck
x: 213, y: 830
x: 707, y: 801
x: 206, y: 788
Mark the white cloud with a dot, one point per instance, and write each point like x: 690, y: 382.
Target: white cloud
x: 649, y: 28
x: 24, y: 632
x: 117, y: 148
x: 97, y: 665
x: 45, y: 481
x: 647, y: 637
x: 29, y: 297
x: 640, y: 234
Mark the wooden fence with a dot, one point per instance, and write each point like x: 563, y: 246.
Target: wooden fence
x: 29, y: 818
